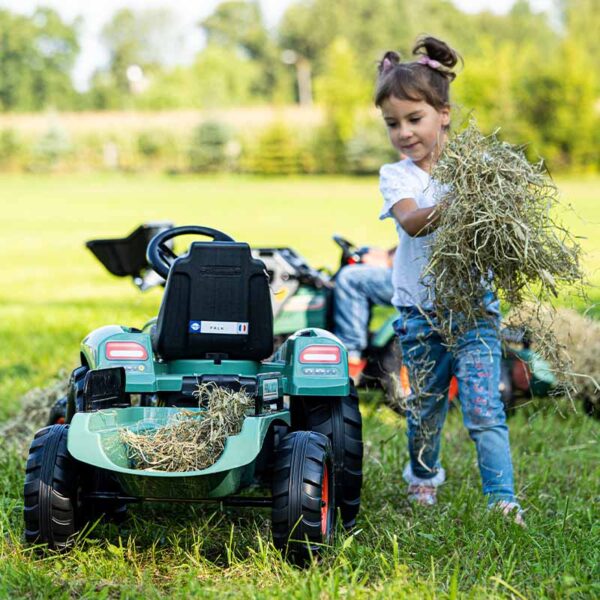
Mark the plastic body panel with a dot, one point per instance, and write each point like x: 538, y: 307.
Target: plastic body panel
x: 150, y: 376
x: 312, y: 379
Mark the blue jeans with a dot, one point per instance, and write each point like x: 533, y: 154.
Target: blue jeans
x: 475, y: 360
x: 357, y: 287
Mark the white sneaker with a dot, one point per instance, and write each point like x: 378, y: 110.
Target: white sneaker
x: 423, y: 491
x: 425, y: 495
x: 511, y: 510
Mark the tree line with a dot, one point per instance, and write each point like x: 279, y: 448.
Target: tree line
x: 531, y: 74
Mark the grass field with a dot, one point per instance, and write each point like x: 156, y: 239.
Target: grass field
x: 54, y: 292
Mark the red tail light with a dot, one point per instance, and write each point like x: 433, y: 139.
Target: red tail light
x: 125, y: 351
x: 321, y: 354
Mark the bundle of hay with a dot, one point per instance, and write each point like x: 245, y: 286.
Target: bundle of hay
x: 577, y: 336
x: 192, y: 440
x: 497, y: 231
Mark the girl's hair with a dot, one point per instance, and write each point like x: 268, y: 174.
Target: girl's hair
x: 427, y: 78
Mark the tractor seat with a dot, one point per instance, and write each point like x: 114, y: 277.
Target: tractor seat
x: 216, y: 305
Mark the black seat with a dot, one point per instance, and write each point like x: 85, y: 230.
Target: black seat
x: 216, y: 302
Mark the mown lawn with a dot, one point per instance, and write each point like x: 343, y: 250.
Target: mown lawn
x: 54, y: 292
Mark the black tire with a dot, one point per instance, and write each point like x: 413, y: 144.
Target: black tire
x: 340, y: 420
x: 51, y: 490
x: 303, y: 486
x: 592, y: 407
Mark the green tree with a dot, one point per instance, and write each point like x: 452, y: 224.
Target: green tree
x: 574, y: 126
x: 370, y: 26
x: 38, y: 53
x: 146, y: 39
x: 223, y: 77
x: 581, y: 21
x: 342, y: 90
x: 239, y: 26
x: 219, y: 77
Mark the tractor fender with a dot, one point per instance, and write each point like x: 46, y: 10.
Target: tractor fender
x: 308, y: 372
x: 93, y: 348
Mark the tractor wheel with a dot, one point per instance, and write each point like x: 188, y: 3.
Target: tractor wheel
x: 51, y: 508
x: 303, y: 514
x: 591, y: 407
x: 339, y: 419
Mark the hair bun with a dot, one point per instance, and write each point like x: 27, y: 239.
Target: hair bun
x: 437, y: 50
x: 389, y: 60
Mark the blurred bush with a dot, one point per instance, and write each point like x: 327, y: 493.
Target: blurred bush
x: 50, y: 150
x: 208, y: 150
x: 276, y: 152
x: 310, y: 144
x: 12, y: 150
x: 368, y: 149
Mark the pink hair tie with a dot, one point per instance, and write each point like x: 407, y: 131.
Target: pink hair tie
x: 386, y: 65
x: 429, y: 62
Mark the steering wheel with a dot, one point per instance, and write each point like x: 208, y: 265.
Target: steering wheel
x: 347, y: 247
x: 350, y: 253
x: 161, y: 257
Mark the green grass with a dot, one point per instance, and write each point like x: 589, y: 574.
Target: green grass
x: 54, y: 292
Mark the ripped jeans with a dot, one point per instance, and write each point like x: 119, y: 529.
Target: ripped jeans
x: 475, y: 361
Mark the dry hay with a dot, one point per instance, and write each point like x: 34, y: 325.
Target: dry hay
x: 191, y: 440
x: 497, y: 231
x: 34, y: 413
x: 576, y: 336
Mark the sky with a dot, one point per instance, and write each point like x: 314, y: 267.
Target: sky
x: 96, y: 13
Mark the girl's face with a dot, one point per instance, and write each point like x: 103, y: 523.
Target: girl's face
x: 416, y: 129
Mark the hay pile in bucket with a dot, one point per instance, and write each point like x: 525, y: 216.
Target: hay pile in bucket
x: 191, y: 440
x: 497, y: 231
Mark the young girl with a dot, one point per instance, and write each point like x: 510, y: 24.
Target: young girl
x: 414, y: 102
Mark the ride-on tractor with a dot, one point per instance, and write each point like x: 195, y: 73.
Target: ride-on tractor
x: 303, y: 438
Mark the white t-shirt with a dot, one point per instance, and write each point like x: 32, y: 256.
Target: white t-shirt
x: 397, y: 181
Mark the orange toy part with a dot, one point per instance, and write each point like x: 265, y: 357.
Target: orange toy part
x: 453, y: 389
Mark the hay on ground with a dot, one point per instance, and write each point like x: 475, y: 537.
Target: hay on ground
x: 192, y: 440
x: 35, y: 411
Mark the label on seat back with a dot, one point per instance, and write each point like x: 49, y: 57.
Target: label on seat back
x: 224, y: 327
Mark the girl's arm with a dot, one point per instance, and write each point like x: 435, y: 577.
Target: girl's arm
x: 415, y: 221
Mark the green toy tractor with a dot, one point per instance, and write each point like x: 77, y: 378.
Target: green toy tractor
x: 303, y: 439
